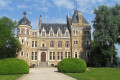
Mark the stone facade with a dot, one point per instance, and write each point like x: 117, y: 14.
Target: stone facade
x: 52, y: 42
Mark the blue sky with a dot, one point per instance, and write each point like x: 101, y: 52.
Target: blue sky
x: 52, y: 11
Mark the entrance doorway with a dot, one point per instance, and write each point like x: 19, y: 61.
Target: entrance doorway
x: 43, y: 57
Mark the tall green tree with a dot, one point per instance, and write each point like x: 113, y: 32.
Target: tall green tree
x: 9, y: 44
x: 106, y: 27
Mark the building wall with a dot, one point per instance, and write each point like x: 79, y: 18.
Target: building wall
x: 79, y: 42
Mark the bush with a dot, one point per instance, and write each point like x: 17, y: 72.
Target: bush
x: 72, y: 65
x: 13, y: 66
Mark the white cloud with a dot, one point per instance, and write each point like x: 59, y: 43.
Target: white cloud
x: 22, y: 6
x: 64, y: 3
x: 4, y: 4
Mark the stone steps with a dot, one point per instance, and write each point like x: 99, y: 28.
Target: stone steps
x: 43, y: 64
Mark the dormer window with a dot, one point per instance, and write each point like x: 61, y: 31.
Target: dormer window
x: 43, y: 33
x: 59, y: 34
x: 51, y: 34
x: 67, y: 34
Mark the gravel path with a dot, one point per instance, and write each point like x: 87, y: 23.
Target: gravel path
x: 47, y: 73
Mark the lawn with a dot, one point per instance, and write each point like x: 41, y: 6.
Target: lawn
x: 97, y: 74
x: 10, y: 77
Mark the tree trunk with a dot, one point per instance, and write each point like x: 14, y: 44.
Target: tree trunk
x: 112, y: 48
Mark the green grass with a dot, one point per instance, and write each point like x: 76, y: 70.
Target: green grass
x: 97, y: 74
x: 10, y: 77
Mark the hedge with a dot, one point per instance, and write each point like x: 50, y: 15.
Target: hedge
x: 72, y: 65
x: 13, y: 66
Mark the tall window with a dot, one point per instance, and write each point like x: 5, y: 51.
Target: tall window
x: 51, y: 34
x: 43, y: 33
x: 52, y: 55
x: 75, y: 32
x: 67, y: 54
x: 58, y: 56
x: 35, y: 43
x: 52, y: 44
x: 27, y: 31
x: 22, y: 53
x: 32, y: 43
x: 34, y: 56
x: 27, y: 55
x: 23, y: 31
x: 59, y: 44
x: 67, y: 44
x: 22, y: 41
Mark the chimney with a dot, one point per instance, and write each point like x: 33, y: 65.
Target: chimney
x: 40, y: 20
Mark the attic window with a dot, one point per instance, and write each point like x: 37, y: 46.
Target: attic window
x: 43, y: 33
x: 59, y: 34
x: 51, y: 33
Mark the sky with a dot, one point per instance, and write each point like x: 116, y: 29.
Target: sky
x: 52, y: 11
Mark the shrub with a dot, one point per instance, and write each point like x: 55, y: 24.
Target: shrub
x: 72, y: 65
x: 13, y: 66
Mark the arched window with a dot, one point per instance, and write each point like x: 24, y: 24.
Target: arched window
x: 59, y: 44
x: 52, y: 44
x: 67, y: 44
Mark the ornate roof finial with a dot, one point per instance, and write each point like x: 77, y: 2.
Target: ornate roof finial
x: 24, y: 13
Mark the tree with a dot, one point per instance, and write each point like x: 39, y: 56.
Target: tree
x: 100, y: 55
x: 106, y: 25
x: 9, y: 44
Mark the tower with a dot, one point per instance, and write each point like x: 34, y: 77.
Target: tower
x: 80, y: 35
x: 23, y: 33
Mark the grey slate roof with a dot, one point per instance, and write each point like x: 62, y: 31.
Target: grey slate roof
x: 24, y: 20
x: 54, y: 26
x: 75, y: 17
